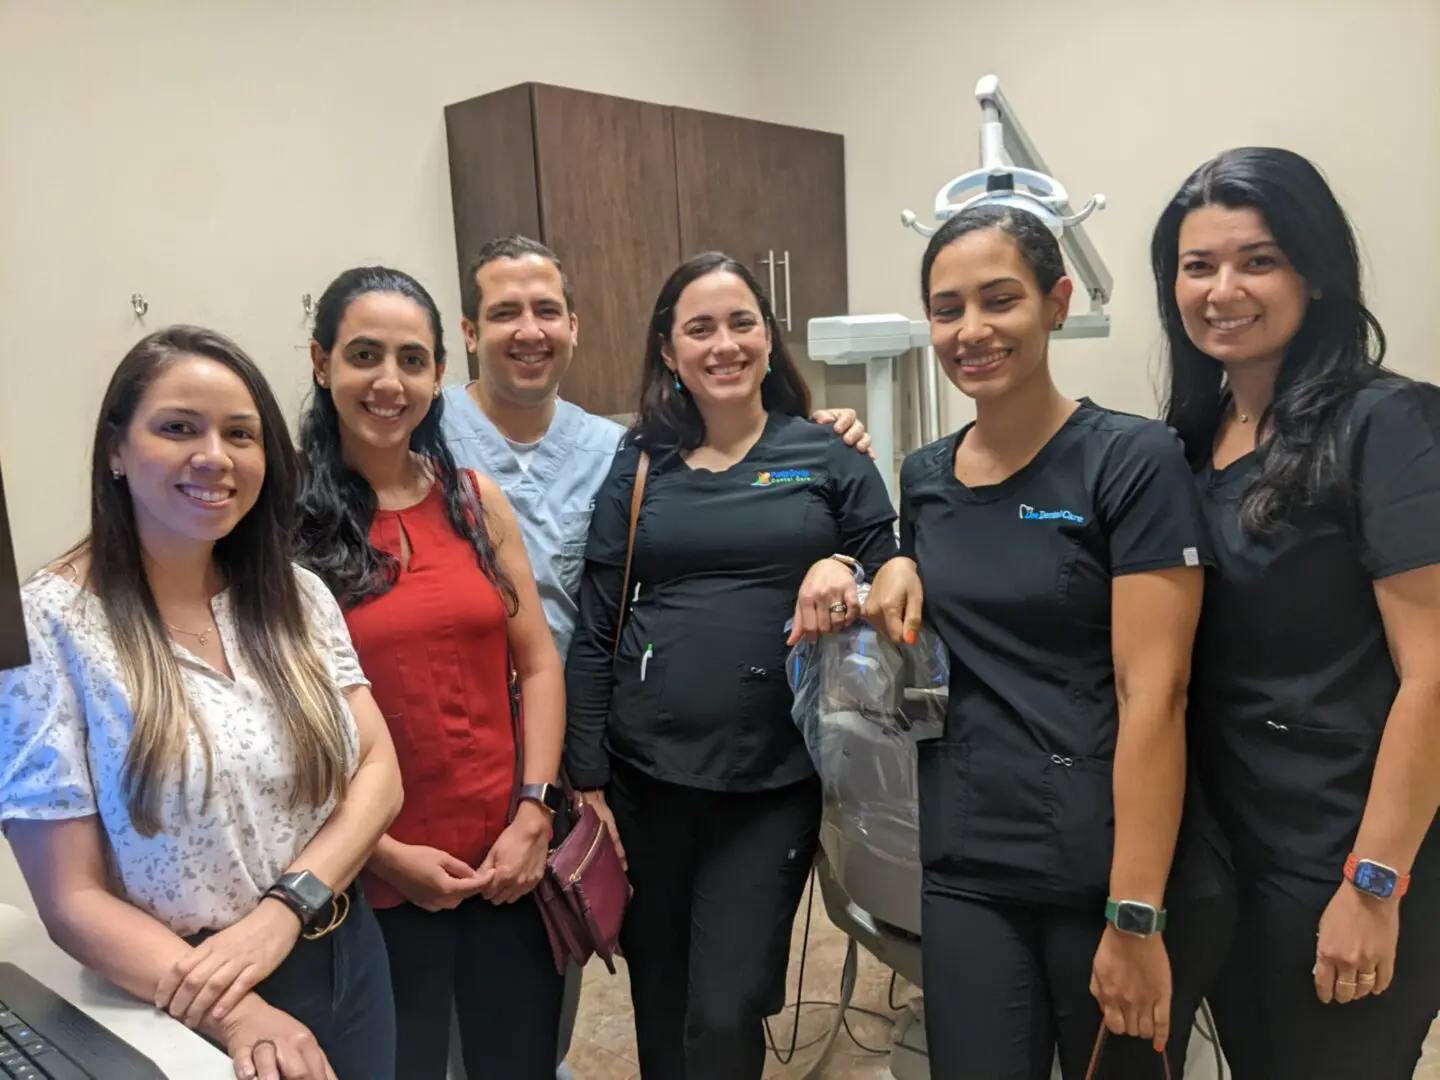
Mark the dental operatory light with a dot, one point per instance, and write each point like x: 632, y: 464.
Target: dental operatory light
x: 1012, y: 173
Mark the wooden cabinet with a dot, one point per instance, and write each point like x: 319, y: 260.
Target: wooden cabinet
x: 623, y: 191
x: 13, y: 649
x: 772, y: 196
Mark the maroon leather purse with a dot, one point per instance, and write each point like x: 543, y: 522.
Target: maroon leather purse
x: 584, y: 891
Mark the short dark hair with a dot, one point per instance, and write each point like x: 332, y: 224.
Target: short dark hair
x: 669, y: 419
x: 514, y: 246
x: 1037, y: 244
x: 1338, y: 349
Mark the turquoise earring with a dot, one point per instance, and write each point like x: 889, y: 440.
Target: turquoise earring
x: 679, y: 386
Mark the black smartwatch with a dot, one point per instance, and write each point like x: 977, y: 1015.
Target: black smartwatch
x: 547, y: 795
x: 1134, y: 918
x: 303, y: 893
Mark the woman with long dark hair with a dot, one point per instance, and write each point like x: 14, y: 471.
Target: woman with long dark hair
x: 1061, y: 553
x: 192, y: 769
x: 684, y: 738
x: 1317, y: 680
x: 428, y: 563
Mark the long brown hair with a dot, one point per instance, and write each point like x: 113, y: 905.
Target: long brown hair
x: 274, y: 631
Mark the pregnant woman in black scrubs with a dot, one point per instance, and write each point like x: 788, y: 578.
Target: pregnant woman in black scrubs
x: 1316, y: 693
x: 1060, y: 547
x: 747, y: 505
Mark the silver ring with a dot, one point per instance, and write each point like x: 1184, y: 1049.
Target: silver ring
x: 839, y: 607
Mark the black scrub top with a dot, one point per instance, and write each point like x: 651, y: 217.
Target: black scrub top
x: 1293, y: 677
x: 698, y: 694
x: 1016, y: 796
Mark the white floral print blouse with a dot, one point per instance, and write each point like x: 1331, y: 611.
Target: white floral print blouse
x: 65, y: 725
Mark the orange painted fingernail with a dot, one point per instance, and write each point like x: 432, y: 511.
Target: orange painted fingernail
x: 910, y: 636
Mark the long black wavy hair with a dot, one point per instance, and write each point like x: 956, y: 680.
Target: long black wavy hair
x: 1338, y: 349
x: 668, y: 418
x: 337, y: 504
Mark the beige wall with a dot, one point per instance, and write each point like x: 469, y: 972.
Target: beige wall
x: 1126, y: 97
x: 224, y: 159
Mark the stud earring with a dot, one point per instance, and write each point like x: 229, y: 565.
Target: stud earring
x: 116, y: 474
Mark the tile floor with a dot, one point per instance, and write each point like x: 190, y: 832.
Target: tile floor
x: 604, y: 1043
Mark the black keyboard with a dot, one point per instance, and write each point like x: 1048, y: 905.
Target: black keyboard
x: 44, y: 1037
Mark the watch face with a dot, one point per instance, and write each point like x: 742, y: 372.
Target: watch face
x: 1375, y: 879
x: 1135, y: 918
x: 310, y: 891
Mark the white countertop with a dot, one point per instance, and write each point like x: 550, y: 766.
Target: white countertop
x: 178, y: 1051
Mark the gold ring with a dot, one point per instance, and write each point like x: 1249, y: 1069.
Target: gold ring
x: 1366, y: 978
x: 839, y: 607
x: 1344, y: 982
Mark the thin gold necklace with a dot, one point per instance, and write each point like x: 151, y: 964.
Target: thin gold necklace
x: 202, y: 636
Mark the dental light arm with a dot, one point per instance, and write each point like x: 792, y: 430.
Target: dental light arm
x: 1012, y: 173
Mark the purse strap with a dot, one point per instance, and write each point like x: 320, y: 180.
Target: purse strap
x: 637, y: 495
x: 1090, y: 1073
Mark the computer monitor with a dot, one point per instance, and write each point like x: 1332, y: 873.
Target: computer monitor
x: 13, y: 650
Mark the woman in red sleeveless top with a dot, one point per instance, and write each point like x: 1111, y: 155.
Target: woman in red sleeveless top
x: 429, y: 566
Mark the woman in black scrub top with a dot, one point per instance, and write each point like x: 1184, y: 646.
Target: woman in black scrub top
x: 686, y: 736
x: 1061, y: 550
x: 1316, y: 694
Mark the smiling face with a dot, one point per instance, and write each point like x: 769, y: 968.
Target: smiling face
x: 525, y: 335
x: 192, y: 455
x: 719, y: 345
x: 381, y: 373
x: 1240, y: 300
x: 989, y: 322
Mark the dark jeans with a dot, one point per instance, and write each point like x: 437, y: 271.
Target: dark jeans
x: 339, y: 987
x: 717, y: 878
x: 493, y: 966
x: 1273, y: 1027
x: 1006, y: 984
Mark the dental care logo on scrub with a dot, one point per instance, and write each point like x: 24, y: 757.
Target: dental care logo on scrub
x: 1029, y: 513
x: 771, y: 477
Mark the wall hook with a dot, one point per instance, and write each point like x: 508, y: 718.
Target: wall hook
x: 140, y: 304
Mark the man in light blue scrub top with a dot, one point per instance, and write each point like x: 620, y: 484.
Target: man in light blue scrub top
x: 548, y: 456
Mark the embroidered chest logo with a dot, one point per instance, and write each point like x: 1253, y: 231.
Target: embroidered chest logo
x: 1029, y: 513
x: 771, y: 477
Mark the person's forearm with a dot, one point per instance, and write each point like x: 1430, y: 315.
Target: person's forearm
x: 117, y: 940
x: 590, y: 677
x: 1149, y: 785
x: 346, y: 841
x: 543, y: 691
x: 1405, y: 790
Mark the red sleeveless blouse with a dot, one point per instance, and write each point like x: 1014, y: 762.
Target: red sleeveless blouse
x: 435, y: 651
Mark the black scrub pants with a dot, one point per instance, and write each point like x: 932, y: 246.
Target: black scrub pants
x: 1006, y: 984
x: 718, y: 878
x: 1273, y: 1027
x: 489, y: 963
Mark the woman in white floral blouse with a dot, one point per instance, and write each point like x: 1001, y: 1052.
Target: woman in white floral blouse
x: 192, y: 769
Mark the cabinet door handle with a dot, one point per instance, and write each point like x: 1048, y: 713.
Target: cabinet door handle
x: 769, y: 263
x: 789, y: 307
